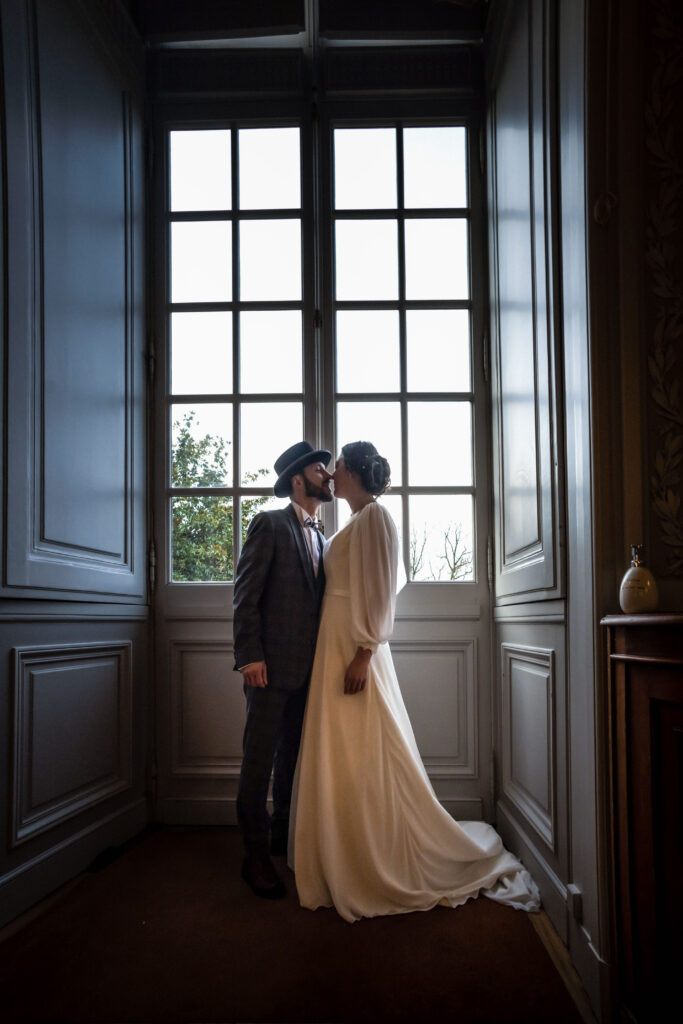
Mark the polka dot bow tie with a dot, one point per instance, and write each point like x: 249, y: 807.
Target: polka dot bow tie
x: 314, y: 524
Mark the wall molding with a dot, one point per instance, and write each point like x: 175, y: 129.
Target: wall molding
x: 184, y: 763
x: 539, y: 612
x: 31, y: 814
x: 44, y: 552
x: 45, y: 611
x: 541, y: 662
x: 464, y: 762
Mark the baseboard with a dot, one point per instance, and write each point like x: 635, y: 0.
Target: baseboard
x: 39, y: 876
x: 590, y: 967
x: 197, y: 811
x: 559, y: 954
x: 595, y: 973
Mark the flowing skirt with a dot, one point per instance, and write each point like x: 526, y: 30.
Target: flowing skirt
x: 367, y: 833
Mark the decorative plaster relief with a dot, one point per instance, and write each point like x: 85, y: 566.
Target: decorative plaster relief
x: 664, y: 259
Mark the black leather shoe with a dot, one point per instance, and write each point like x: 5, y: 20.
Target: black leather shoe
x: 260, y: 874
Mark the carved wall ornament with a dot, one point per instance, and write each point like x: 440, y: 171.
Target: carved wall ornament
x: 664, y: 259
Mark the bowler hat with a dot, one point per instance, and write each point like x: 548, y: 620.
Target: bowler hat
x: 293, y: 461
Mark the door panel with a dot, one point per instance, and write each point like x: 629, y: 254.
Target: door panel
x: 526, y: 494
x: 75, y: 325
x: 529, y: 607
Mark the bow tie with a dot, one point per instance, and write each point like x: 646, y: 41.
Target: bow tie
x: 314, y: 524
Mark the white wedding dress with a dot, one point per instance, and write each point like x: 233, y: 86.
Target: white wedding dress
x: 367, y: 834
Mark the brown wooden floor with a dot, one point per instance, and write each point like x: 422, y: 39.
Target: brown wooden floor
x: 168, y: 932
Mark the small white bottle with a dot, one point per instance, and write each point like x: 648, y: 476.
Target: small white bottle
x: 638, y: 590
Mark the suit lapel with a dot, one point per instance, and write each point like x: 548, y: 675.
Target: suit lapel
x: 297, y: 532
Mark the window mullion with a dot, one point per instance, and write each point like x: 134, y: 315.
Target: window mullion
x: 236, y: 354
x: 403, y: 356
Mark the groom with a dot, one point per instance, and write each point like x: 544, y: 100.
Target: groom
x: 279, y: 585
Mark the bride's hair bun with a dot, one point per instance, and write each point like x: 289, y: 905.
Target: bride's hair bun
x: 362, y: 458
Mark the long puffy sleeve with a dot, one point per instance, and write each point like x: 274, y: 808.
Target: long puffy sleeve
x: 373, y: 572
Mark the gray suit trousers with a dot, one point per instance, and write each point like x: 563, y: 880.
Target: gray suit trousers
x: 271, y: 742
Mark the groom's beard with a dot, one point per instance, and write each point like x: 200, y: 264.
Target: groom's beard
x: 313, y: 491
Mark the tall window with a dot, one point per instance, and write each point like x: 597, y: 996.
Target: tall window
x: 402, y: 329
x: 235, y: 328
x: 393, y: 271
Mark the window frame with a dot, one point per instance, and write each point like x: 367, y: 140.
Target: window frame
x: 318, y: 307
x: 393, y: 114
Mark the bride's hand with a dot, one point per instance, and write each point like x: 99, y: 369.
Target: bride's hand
x: 357, y: 672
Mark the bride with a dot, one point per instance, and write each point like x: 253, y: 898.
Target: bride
x: 367, y: 833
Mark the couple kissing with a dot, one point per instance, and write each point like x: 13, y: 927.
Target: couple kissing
x: 353, y: 808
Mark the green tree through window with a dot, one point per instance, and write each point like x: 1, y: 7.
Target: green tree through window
x: 203, y: 525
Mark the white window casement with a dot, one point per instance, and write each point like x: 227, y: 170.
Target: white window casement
x: 319, y: 273
x: 355, y: 323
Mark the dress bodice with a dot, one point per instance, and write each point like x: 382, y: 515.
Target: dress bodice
x: 336, y: 559
x: 361, y: 563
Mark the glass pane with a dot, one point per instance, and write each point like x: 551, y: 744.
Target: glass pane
x: 270, y: 351
x: 440, y: 444
x: 435, y: 167
x: 270, y: 168
x: 202, y: 445
x: 368, y: 350
x: 201, y: 539
x: 436, y: 259
x: 201, y: 353
x: 377, y: 422
x: 365, y: 168
x: 366, y: 260
x: 270, y: 260
x: 201, y: 262
x: 200, y: 170
x: 438, y: 349
x: 441, y: 537
x: 267, y: 430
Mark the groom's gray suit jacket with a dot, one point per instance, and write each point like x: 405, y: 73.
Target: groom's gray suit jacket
x: 277, y: 599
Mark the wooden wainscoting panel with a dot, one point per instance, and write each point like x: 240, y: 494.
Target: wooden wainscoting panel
x: 528, y: 699
x: 441, y: 674
x: 72, y: 732
x: 207, y: 707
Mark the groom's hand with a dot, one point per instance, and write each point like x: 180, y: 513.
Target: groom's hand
x: 255, y: 674
x: 357, y: 672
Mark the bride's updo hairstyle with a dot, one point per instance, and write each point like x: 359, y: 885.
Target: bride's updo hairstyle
x: 363, y: 459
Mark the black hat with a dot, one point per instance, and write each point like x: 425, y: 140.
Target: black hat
x: 292, y: 461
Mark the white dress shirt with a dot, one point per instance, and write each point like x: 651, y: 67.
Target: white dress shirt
x: 310, y: 534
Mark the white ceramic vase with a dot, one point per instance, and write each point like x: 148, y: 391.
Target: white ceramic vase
x: 638, y: 590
